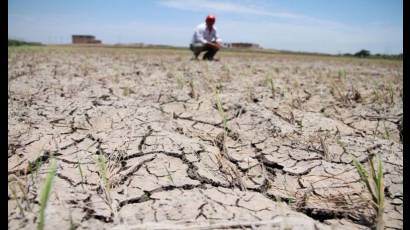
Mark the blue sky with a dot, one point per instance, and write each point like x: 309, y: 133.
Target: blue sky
x: 297, y: 25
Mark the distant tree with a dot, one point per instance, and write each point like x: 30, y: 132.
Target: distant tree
x: 362, y: 53
x: 14, y: 42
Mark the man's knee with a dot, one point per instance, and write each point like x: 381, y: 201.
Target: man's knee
x: 213, y: 49
x: 193, y: 48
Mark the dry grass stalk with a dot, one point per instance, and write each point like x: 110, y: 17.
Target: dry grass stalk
x: 16, y: 198
x: 325, y: 149
x: 180, y: 81
x: 343, y: 98
x: 225, y: 166
x: 81, y: 174
x: 192, y: 93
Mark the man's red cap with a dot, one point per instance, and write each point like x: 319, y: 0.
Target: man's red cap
x: 210, y: 19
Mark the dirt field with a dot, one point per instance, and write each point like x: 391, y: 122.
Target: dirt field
x: 148, y: 139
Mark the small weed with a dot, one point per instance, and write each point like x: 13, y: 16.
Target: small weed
x: 326, y: 153
x: 227, y: 72
x: 340, y: 143
x: 342, y: 74
x: 375, y: 185
x: 45, y: 193
x: 24, y: 188
x: 386, y: 131
x: 81, y: 174
x: 252, y: 70
x: 73, y: 226
x: 291, y: 200
x: 295, y: 84
x: 103, y: 170
x: 220, y: 109
x: 299, y: 123
x: 354, y: 95
x: 126, y: 91
x: 33, y: 167
x: 377, y: 94
x: 339, y: 95
x: 192, y: 93
x: 107, y: 170
x: 15, y: 197
x: 169, y: 175
x: 180, y: 81
x: 116, y: 79
x: 271, y: 85
x: 391, y: 93
x: 251, y: 94
x: 296, y: 103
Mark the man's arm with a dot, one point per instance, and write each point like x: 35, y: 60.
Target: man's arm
x: 199, y: 36
x: 217, y: 39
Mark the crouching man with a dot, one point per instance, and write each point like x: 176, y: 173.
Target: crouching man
x: 206, y: 39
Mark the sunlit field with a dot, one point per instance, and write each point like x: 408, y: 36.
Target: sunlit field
x: 135, y: 138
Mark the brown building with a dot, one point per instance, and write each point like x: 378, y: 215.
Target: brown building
x: 85, y: 39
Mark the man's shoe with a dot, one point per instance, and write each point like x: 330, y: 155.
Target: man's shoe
x: 210, y: 59
x: 195, y: 57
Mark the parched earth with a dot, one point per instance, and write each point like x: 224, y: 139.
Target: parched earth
x: 148, y: 139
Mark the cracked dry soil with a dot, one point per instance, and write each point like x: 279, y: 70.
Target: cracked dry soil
x: 284, y: 162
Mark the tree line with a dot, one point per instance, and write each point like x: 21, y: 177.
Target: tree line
x: 14, y: 42
x: 367, y: 54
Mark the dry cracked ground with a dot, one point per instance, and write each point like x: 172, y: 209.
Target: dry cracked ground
x: 148, y: 139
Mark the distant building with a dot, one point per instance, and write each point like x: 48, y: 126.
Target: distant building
x: 85, y: 39
x: 242, y: 45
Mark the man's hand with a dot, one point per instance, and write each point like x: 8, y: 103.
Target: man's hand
x: 215, y: 45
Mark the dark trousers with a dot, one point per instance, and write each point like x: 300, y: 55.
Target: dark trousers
x: 197, y: 48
